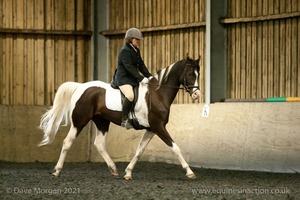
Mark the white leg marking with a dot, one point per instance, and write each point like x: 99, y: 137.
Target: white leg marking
x: 189, y: 173
x: 68, y: 141
x: 146, y: 138
x: 100, y: 146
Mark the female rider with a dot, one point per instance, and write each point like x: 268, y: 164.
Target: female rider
x: 130, y: 71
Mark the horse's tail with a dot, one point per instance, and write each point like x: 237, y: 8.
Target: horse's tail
x: 59, y: 112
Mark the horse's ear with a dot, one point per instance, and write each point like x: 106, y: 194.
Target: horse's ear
x: 198, y: 60
x: 187, y: 56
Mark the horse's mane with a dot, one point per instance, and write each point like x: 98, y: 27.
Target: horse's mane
x: 163, y: 74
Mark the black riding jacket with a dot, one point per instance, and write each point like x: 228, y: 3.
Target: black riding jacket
x: 130, y: 67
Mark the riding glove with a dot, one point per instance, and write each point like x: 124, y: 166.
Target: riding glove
x: 145, y: 80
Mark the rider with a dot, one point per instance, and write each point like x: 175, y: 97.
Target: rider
x: 130, y: 71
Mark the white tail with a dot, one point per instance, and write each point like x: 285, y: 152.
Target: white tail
x: 59, y: 112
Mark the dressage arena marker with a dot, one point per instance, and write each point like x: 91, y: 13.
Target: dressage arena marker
x: 205, y: 110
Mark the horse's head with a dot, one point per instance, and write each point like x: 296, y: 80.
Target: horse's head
x: 190, y: 77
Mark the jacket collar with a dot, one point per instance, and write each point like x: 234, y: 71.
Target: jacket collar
x: 132, y: 47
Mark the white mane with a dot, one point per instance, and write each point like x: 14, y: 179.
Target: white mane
x: 163, y: 74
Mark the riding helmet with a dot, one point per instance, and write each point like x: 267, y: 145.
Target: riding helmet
x: 133, y: 33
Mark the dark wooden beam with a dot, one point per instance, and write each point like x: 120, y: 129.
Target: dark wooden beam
x: 44, y: 32
x: 156, y: 28
x: 259, y: 18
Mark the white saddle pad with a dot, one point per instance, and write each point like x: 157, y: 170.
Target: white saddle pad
x: 113, y: 102
x: 113, y: 99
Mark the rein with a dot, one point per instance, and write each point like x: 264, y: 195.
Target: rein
x: 185, y: 87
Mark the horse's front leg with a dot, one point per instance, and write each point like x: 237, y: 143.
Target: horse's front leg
x: 189, y: 173
x: 148, y: 135
x: 164, y: 135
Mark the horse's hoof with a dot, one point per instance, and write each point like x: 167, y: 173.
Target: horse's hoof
x: 55, y: 175
x: 115, y: 174
x: 127, y: 178
x: 114, y: 171
x: 191, y: 176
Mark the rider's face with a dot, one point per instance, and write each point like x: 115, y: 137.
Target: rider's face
x: 135, y: 42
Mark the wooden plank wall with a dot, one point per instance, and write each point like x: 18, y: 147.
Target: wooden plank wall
x: 171, y: 29
x: 43, y: 43
x: 263, y: 48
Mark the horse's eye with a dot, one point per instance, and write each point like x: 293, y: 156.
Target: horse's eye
x: 190, y: 72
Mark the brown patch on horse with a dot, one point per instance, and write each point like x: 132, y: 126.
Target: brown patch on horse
x: 91, y: 106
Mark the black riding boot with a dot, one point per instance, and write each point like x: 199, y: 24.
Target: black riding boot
x: 126, y: 109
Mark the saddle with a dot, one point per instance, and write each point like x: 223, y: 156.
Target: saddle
x: 133, y: 120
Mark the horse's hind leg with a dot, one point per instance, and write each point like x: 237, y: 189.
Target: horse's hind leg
x: 100, y: 146
x: 102, y: 129
x: 148, y: 135
x: 68, y: 141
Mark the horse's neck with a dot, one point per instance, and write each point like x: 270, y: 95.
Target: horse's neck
x: 169, y: 85
x: 170, y: 76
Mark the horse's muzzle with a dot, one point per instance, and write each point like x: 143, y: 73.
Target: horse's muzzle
x: 196, y: 94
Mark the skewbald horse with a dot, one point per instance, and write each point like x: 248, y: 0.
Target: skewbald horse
x: 81, y: 102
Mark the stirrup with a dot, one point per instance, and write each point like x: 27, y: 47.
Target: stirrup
x: 126, y: 124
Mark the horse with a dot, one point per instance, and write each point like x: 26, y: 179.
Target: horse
x: 79, y: 103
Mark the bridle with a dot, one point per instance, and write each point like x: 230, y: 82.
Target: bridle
x: 187, y: 88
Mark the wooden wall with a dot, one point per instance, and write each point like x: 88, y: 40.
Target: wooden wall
x: 46, y: 42
x: 263, y: 48
x: 43, y: 43
x: 171, y: 29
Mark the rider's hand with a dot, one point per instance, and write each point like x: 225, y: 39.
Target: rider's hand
x: 145, y: 80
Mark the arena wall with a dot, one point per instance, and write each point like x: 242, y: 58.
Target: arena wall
x: 243, y: 136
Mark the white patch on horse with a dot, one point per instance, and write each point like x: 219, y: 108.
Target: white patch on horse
x: 162, y: 73
x: 196, y: 91
x: 83, y: 87
x: 196, y: 81
x: 141, y: 108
